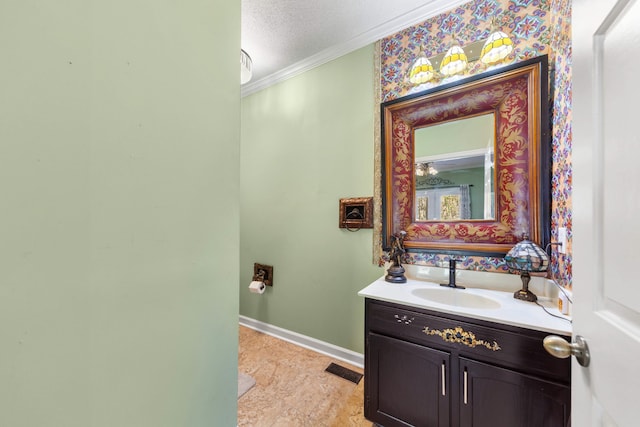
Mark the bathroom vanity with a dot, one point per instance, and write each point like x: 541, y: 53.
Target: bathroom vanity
x: 439, y: 356
x: 448, y: 357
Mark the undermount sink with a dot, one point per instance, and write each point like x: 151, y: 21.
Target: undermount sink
x: 455, y: 297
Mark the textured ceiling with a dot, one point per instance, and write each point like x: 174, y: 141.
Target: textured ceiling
x: 278, y: 34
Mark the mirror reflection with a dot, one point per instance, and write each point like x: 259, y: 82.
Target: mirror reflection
x: 454, y: 170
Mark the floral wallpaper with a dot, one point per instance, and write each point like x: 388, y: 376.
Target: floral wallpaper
x: 536, y: 27
x: 561, y: 212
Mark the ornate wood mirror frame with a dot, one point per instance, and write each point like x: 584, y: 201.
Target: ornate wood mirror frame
x: 517, y: 95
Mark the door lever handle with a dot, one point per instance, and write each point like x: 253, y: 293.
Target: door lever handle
x: 560, y: 348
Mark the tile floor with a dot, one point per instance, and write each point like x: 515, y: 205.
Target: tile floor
x: 292, y: 388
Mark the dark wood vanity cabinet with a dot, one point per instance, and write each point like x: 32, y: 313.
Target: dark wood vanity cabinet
x: 501, y: 397
x: 407, y: 379
x: 424, y: 368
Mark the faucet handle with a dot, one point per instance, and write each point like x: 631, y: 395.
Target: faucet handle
x: 452, y: 275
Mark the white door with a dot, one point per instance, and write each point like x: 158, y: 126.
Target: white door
x: 606, y: 210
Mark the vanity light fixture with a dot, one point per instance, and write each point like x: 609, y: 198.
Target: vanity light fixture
x: 423, y: 169
x: 246, y: 67
x: 454, y: 61
x: 422, y: 70
x: 497, y: 47
x: 526, y: 257
x: 491, y: 51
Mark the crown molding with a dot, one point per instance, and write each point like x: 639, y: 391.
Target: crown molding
x: 420, y: 14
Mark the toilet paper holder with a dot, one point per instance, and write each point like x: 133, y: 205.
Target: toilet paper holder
x: 263, y: 273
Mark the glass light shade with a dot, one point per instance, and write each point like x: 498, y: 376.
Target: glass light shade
x: 497, y: 47
x: 454, y: 61
x: 421, y: 70
x: 246, y: 66
x: 423, y: 169
x: 527, y: 256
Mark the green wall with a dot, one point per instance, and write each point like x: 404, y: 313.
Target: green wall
x: 119, y: 122
x: 306, y: 143
x: 459, y: 135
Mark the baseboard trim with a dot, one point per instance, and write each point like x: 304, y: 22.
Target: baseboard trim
x: 316, y: 345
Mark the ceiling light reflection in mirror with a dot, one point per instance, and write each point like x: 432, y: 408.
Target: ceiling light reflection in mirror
x: 455, y: 174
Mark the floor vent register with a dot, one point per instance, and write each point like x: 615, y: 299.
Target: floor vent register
x: 345, y: 373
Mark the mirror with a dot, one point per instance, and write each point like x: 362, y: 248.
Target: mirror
x: 455, y: 180
x: 455, y: 188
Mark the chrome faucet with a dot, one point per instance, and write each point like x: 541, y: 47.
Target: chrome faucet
x: 452, y: 275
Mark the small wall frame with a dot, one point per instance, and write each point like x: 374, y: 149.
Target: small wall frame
x: 356, y: 213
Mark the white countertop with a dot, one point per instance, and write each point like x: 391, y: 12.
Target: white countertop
x: 511, y: 311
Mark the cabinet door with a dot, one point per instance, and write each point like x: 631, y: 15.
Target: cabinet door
x: 494, y: 397
x: 408, y: 384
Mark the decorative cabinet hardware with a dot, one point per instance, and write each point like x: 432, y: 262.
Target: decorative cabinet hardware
x: 460, y: 336
x: 404, y: 319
